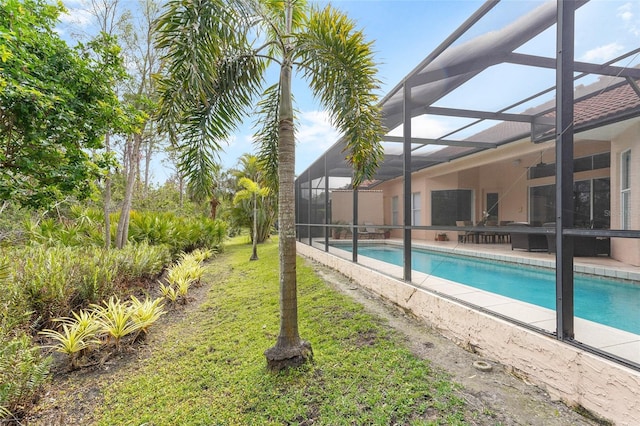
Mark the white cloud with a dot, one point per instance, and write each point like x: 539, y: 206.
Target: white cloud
x: 628, y: 13
x: 625, y: 12
x: 423, y: 126
x: 314, y: 131
x: 603, y: 53
x: 78, y: 17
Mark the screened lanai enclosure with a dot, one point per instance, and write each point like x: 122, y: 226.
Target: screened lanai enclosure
x: 515, y: 142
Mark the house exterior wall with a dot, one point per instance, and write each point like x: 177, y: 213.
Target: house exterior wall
x: 624, y: 249
x: 369, y: 207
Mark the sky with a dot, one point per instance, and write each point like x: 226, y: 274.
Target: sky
x: 404, y: 32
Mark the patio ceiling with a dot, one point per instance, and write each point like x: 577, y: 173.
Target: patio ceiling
x: 451, y: 86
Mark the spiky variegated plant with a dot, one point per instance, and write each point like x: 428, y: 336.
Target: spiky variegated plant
x: 217, y: 56
x: 75, y: 337
x: 145, y: 313
x: 114, y: 318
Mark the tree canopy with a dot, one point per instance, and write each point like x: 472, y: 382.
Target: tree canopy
x: 56, y: 104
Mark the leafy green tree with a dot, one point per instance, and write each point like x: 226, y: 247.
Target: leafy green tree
x: 218, y: 52
x: 56, y: 104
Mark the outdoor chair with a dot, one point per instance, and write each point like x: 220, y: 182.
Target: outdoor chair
x: 502, y: 235
x: 490, y: 236
x: 463, y: 236
x: 370, y: 232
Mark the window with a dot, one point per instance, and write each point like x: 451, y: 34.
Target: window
x: 448, y: 206
x: 416, y: 206
x: 542, y: 204
x: 394, y: 210
x: 625, y: 189
x: 492, y: 206
x: 601, y: 203
x: 591, y: 200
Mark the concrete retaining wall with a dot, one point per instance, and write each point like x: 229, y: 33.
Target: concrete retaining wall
x: 605, y: 388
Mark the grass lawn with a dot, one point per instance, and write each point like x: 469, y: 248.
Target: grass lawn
x: 209, y: 368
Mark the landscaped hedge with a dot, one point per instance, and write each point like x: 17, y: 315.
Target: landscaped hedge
x: 50, y: 267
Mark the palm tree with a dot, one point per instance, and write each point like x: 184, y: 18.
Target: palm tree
x: 217, y: 56
x: 250, y: 166
x: 251, y: 190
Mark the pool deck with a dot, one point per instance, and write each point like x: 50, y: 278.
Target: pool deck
x: 608, y: 339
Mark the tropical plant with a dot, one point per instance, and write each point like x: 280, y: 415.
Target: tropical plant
x: 153, y: 228
x: 169, y: 292
x: 145, y: 313
x: 203, y: 233
x: 23, y: 371
x: 114, y: 318
x: 74, y: 338
x: 142, y: 260
x: 200, y: 255
x: 257, y: 212
x: 182, y: 285
x: 217, y: 55
x: 182, y: 275
x: 252, y: 190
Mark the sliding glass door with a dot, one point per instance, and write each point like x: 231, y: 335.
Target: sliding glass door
x: 591, y: 200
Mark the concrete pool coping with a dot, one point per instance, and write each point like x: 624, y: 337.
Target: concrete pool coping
x: 577, y: 376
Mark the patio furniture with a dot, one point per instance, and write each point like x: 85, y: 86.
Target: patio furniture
x: 527, y: 241
x: 504, y: 236
x: 464, y: 236
x: 490, y: 236
x: 583, y: 246
x: 370, y: 232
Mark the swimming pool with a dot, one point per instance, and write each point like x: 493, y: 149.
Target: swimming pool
x: 608, y: 302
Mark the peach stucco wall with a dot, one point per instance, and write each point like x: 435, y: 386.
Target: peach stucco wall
x: 624, y: 249
x: 607, y: 389
x: 369, y: 207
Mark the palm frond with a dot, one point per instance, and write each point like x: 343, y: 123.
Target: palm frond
x: 212, y: 77
x: 340, y: 68
x: 267, y: 135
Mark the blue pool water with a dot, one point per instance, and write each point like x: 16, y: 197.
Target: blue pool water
x: 608, y: 302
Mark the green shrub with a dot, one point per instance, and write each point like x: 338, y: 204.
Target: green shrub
x: 205, y: 233
x: 141, y: 260
x: 22, y: 373
x: 52, y: 281
x: 181, y: 234
x: 152, y: 228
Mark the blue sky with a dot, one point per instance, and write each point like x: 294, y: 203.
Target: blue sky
x: 404, y: 32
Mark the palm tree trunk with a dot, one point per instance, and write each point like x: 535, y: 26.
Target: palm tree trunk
x: 289, y: 350
x: 254, y: 254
